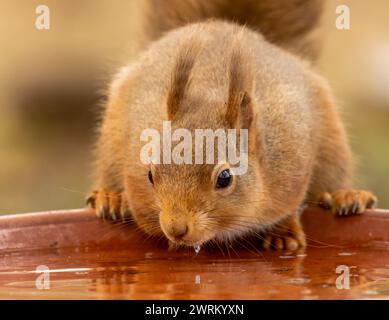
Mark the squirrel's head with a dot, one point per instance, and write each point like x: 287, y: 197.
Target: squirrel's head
x: 209, y: 199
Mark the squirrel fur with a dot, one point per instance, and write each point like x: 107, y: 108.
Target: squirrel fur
x: 227, y: 64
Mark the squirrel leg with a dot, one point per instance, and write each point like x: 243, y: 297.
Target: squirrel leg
x: 330, y: 184
x: 331, y: 180
x: 330, y: 189
x: 287, y: 235
x: 108, y: 198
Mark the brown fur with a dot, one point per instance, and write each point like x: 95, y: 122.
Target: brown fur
x: 180, y: 79
x: 298, y: 150
x: 288, y: 23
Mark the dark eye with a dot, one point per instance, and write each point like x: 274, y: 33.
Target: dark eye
x: 224, y: 179
x: 150, y: 176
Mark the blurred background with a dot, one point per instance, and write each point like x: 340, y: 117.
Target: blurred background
x: 52, y: 86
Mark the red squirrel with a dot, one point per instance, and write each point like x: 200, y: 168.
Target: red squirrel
x: 226, y: 64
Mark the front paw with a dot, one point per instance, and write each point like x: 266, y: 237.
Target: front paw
x: 346, y: 202
x: 287, y: 235
x: 108, y: 205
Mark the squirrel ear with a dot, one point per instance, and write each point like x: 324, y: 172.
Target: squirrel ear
x: 180, y: 79
x: 239, y: 106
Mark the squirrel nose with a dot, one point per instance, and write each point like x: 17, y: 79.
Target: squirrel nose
x: 175, y: 227
x: 179, y: 230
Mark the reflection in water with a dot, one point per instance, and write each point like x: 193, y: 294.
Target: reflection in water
x: 159, y: 274
x: 376, y: 282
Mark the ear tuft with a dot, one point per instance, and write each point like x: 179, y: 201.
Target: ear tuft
x: 246, y: 111
x: 180, y: 78
x: 239, y: 105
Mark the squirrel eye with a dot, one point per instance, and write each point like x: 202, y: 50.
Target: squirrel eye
x: 224, y: 179
x: 150, y: 176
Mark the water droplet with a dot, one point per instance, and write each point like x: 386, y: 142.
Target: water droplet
x: 371, y: 292
x: 287, y: 257
x: 346, y: 253
x: 197, y: 249
x: 306, y: 292
x: 298, y: 280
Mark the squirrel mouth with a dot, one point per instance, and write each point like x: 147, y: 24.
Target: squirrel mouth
x: 195, y: 243
x: 189, y: 243
x: 191, y: 240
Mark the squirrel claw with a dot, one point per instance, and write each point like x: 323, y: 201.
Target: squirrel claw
x: 90, y: 201
x: 282, y: 242
x: 348, y: 202
x: 288, y: 235
x: 108, y: 205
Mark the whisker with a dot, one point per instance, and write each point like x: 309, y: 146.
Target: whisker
x: 74, y: 191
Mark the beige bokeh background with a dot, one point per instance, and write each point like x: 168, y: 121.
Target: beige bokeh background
x: 52, y: 82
